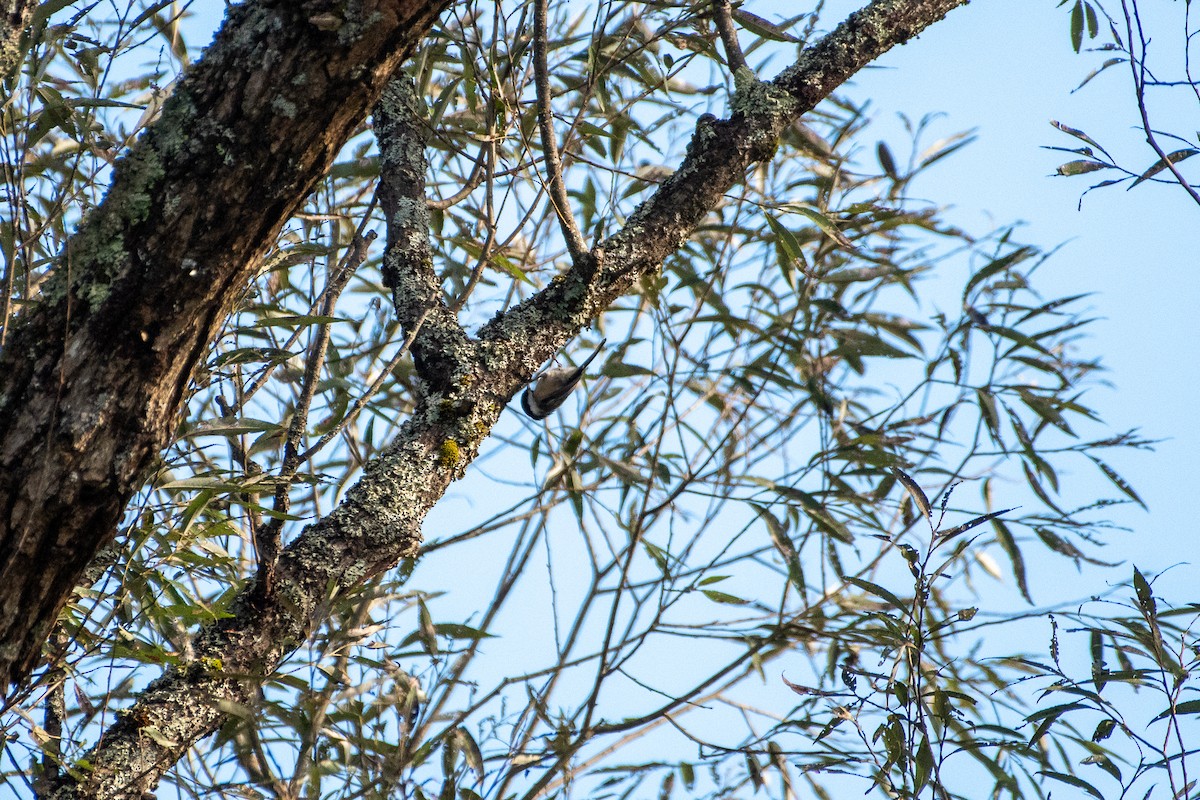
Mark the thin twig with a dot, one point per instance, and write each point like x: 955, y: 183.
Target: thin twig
x: 558, y: 189
x: 473, y: 180
x: 265, y: 375
x: 266, y: 539
x: 372, y: 390
x: 723, y: 15
x: 489, y: 242
x: 1138, y: 67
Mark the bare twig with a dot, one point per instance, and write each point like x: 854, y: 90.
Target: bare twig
x: 490, y: 240
x: 366, y: 396
x: 266, y: 539
x: 1137, y: 66
x: 558, y: 190
x: 723, y: 14
x: 486, y: 153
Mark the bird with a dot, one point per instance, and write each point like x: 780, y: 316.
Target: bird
x: 553, y: 387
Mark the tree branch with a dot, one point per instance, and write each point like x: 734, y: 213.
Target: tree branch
x: 1137, y: 66
x: 723, y: 15
x: 439, y: 343
x: 558, y: 189
x: 92, y: 379
x: 379, y: 521
x: 717, y: 158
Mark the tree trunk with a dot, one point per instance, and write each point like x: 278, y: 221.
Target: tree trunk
x: 92, y: 379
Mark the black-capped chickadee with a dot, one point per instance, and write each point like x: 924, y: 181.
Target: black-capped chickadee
x: 553, y: 387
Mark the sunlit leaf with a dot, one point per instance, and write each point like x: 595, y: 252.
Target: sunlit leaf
x: 1080, y: 167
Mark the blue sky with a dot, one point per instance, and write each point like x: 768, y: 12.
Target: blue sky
x: 1007, y: 69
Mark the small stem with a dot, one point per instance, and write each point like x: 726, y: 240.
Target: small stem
x: 723, y: 15
x: 558, y: 190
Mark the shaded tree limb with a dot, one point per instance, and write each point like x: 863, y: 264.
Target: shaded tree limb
x: 91, y: 379
x: 467, y: 384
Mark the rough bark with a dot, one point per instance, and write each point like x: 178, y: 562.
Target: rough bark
x: 14, y: 17
x: 92, y: 380
x: 469, y: 383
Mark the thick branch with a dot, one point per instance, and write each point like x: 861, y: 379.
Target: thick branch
x: 377, y: 524
x: 91, y: 380
x: 438, y: 339
x: 717, y: 158
x: 379, y: 521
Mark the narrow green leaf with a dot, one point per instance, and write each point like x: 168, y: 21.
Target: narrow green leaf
x: 1118, y: 481
x: 295, y: 320
x: 1032, y: 480
x: 754, y: 771
x: 1088, y: 78
x: 914, y: 489
x: 658, y: 555
x: 225, y: 426
x: 426, y: 631
x: 1186, y: 707
x: 946, y: 147
x: 1077, y: 26
x: 161, y: 739
x: 1071, y: 780
x: 45, y: 10
x: 829, y: 728
x: 1009, y: 545
x: 764, y: 28
x: 688, y: 773
x: 1145, y: 594
x: 1080, y: 167
x: 878, y: 591
x: 99, y: 102
x: 828, y: 524
x: 966, y: 526
x: 995, y: 266
x: 1047, y: 717
x: 858, y: 275
x: 924, y: 766
x: 722, y: 597
x: 987, y: 408
x: 454, y: 630
x: 1099, y: 669
x: 504, y: 264
x: 886, y: 161
x: 1103, y: 762
x: 471, y: 752
x: 827, y: 225
x: 1163, y: 163
x: 789, y: 246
